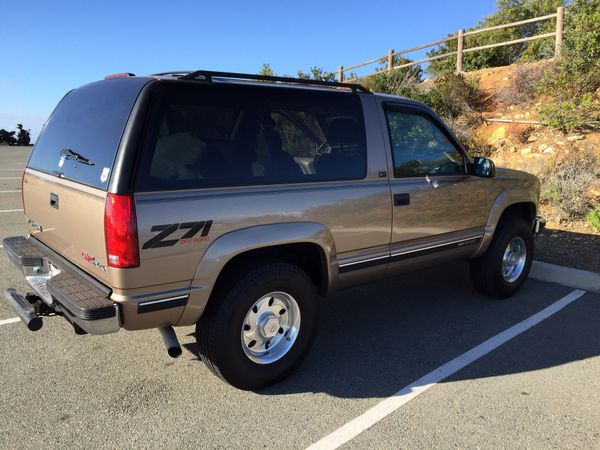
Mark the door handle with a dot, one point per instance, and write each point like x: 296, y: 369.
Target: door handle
x: 401, y: 199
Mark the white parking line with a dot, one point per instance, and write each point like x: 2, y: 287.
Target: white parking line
x: 11, y: 320
x: 9, y: 192
x: 10, y: 210
x: 10, y: 178
x: 11, y: 170
x: 386, y: 407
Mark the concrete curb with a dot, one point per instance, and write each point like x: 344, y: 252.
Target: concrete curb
x: 567, y: 276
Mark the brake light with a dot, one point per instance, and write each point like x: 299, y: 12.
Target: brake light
x: 119, y: 75
x: 120, y: 232
x: 23, y: 192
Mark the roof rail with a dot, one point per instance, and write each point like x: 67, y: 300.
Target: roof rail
x: 207, y: 75
x: 174, y: 73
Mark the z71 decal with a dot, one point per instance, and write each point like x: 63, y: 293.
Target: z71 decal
x: 160, y: 240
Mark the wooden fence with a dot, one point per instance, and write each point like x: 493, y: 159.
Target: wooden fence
x: 460, y: 51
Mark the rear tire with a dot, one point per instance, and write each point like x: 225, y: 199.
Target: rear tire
x: 501, y: 271
x: 275, y: 306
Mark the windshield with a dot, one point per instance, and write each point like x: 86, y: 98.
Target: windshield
x: 81, y: 138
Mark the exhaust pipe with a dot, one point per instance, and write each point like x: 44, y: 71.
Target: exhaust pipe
x: 24, y: 310
x: 171, y: 341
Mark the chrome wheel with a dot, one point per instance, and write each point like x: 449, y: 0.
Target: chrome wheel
x: 513, y: 261
x: 270, y: 327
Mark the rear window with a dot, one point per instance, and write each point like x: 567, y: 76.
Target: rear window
x: 215, y: 135
x: 82, y: 136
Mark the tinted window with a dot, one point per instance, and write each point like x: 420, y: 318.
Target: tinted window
x: 210, y: 135
x: 420, y: 147
x: 88, y: 121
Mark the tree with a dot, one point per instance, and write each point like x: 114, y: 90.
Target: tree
x: 508, y: 11
x: 23, y: 136
x: 7, y: 137
x: 316, y: 73
x: 266, y: 70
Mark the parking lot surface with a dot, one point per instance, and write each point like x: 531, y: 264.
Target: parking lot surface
x: 540, y: 389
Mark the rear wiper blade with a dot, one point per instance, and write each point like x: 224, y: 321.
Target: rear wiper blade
x: 67, y: 153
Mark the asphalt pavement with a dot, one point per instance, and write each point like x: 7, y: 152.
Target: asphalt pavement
x: 540, y: 389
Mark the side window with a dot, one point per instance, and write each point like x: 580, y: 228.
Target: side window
x: 221, y: 135
x: 420, y: 147
x: 299, y: 131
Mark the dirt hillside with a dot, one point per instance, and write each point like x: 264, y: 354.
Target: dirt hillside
x: 538, y: 149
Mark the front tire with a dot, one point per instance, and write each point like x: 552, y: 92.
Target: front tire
x: 502, y: 270
x: 259, y: 329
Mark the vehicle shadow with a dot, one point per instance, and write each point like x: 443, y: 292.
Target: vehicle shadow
x: 569, y: 248
x: 378, y: 338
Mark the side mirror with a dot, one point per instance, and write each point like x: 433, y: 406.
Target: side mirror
x: 484, y: 167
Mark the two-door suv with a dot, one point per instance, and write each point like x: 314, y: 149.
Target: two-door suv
x: 237, y: 202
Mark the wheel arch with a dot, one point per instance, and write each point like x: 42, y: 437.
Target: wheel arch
x: 521, y: 203
x: 307, y: 244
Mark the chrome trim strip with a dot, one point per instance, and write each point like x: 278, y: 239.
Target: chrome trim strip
x: 162, y: 300
x: 364, y: 261
x: 474, y: 238
x: 436, y: 246
x: 154, y: 295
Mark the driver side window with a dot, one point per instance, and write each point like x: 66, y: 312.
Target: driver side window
x: 420, y: 147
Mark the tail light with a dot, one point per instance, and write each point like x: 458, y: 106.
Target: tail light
x: 23, y: 192
x: 120, y: 232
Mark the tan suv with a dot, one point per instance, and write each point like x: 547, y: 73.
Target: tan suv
x: 238, y: 202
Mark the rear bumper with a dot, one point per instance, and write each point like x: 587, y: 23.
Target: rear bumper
x: 60, y: 288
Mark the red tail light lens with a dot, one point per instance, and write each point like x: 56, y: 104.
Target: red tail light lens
x: 120, y: 232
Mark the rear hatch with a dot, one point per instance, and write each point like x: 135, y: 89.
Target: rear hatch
x: 67, y: 177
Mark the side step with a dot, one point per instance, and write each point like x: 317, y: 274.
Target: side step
x: 24, y: 310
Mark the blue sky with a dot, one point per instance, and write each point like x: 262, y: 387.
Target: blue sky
x: 49, y: 48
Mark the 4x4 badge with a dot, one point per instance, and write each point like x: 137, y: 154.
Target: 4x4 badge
x: 188, y: 238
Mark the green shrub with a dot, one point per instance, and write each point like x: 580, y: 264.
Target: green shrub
x: 572, y: 83
x: 593, y: 218
x: 523, y: 84
x: 452, y: 96
x: 566, y: 184
x: 576, y: 114
x: 396, y: 82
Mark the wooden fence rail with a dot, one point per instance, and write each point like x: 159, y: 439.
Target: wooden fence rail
x: 460, y: 50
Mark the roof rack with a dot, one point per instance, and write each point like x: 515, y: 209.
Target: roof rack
x: 207, y: 75
x: 173, y: 73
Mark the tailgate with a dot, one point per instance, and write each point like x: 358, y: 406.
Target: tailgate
x: 68, y: 173
x: 69, y: 218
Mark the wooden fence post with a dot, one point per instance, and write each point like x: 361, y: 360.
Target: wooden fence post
x: 341, y: 74
x: 390, y: 63
x: 459, y: 50
x: 560, y: 15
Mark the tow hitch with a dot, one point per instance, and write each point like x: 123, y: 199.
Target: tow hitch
x: 30, y: 308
